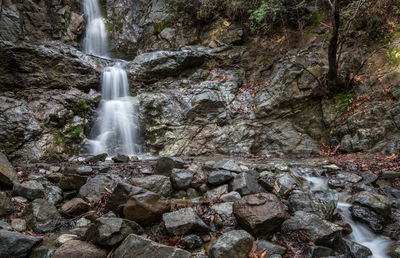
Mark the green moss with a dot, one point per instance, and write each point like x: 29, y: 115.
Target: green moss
x: 343, y: 101
x: 80, y: 108
x: 67, y: 18
x: 156, y: 133
x: 161, y: 26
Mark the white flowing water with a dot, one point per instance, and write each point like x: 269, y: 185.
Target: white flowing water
x: 361, y: 233
x: 96, y: 38
x: 115, y: 129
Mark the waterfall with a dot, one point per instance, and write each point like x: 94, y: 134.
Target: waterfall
x: 115, y: 127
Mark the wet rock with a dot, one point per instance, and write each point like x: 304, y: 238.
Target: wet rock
x: 259, y: 213
x: 95, y: 187
x: 392, y: 193
x: 343, y: 180
x: 235, y: 243
x: 181, y: 178
x: 18, y: 225
x: 371, y: 218
x: 82, y: 223
x: 217, y: 192
x: 6, y: 205
x: 54, y: 177
x: 245, y: 184
x: 192, y: 242
x: 110, y: 231
x: 375, y: 202
x: 81, y: 170
x: 145, y: 208
x: 4, y: 225
x: 184, y: 221
x: 368, y: 177
x: 120, y: 158
x: 98, y: 158
x: 42, y: 252
x: 331, y: 167
x: 13, y: 244
x: 317, y: 228
x: 41, y: 216
x: 395, y: 250
x: 65, y: 238
x: 79, y: 249
x: 156, y: 183
x: 228, y: 164
x: 74, y: 207
x: 160, y: 64
x: 317, y: 251
x: 223, y: 209
x: 231, y: 197
x: 357, y: 250
x: 120, y: 196
x: 284, y: 184
x: 165, y: 165
x: 72, y: 181
x: 219, y: 177
x: 29, y: 189
x: 306, y: 201
x: 267, y: 180
x: 192, y: 193
x: 271, y: 248
x: 137, y: 246
x: 387, y: 174
x: 54, y: 194
x: 7, y: 173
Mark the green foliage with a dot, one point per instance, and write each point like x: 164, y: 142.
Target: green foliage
x: 67, y: 17
x: 156, y: 133
x: 161, y: 26
x: 343, y: 101
x: 80, y: 108
x: 393, y: 55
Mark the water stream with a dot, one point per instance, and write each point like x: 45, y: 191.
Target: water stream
x: 361, y: 233
x: 115, y: 128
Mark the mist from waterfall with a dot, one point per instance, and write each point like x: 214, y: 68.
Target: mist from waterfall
x: 115, y: 128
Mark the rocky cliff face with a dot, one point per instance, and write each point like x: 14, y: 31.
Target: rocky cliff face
x: 194, y: 100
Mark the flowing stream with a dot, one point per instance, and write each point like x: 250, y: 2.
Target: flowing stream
x: 115, y: 128
x: 361, y: 233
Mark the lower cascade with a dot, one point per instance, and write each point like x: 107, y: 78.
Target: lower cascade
x: 115, y: 128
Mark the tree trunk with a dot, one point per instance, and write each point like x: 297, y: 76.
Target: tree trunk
x: 332, y: 79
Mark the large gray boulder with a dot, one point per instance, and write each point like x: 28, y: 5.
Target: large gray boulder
x: 109, y: 231
x: 308, y: 202
x: 41, y: 216
x: 7, y: 173
x: 95, y: 187
x: 135, y: 246
x: 6, y: 205
x: 120, y: 196
x: 156, y: 183
x: 16, y: 245
x: 245, y: 184
x: 79, y: 249
x: 184, y: 221
x: 315, y: 227
x: 31, y: 190
x: 235, y: 243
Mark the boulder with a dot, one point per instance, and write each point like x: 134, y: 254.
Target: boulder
x: 165, y: 165
x: 192, y: 242
x: 184, y: 221
x: 120, y: 196
x: 18, y: 225
x: 317, y: 251
x: 315, y: 227
x: 31, y: 190
x: 343, y: 180
x: 79, y: 249
x: 54, y: 194
x: 375, y: 221
x: 95, y: 187
x: 42, y: 252
x: 357, y: 250
x: 74, y: 207
x: 7, y: 173
x: 231, y: 197
x: 135, y: 246
x: 219, y: 177
x: 16, y: 245
x: 70, y: 181
x: 306, y: 201
x: 259, y: 213
x: 109, y: 231
x: 228, y: 164
x: 224, y: 209
x: 245, y: 184
x: 235, y: 243
x: 41, y: 216
x: 181, y: 178
x: 156, y: 183
x: 284, y: 184
x: 6, y: 205
x: 394, y: 251
x: 120, y: 158
x: 271, y: 248
x: 375, y: 202
x: 145, y: 208
x: 217, y: 192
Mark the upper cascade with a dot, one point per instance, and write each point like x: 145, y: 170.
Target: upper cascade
x: 95, y: 42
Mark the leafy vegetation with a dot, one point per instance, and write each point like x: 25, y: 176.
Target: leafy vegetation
x: 343, y: 101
